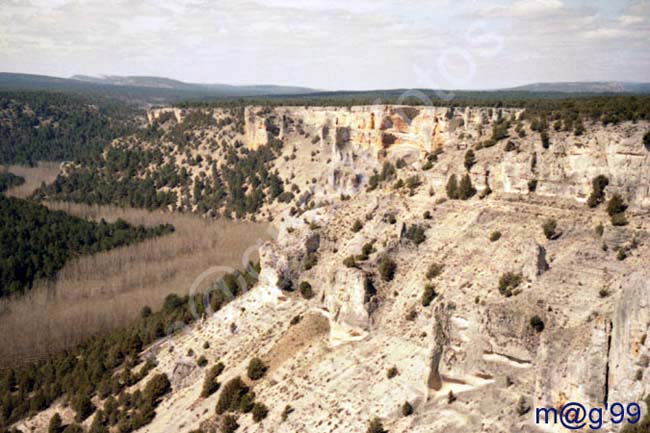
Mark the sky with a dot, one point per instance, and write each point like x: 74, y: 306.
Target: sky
x: 332, y: 44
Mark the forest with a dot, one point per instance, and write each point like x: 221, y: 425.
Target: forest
x: 136, y: 177
x: 36, y: 242
x: 50, y: 126
x: 9, y: 180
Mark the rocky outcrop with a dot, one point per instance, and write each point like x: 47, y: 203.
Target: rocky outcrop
x: 629, y: 354
x: 563, y: 171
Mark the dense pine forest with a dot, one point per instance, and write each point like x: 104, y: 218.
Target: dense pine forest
x: 36, y: 242
x: 48, y: 126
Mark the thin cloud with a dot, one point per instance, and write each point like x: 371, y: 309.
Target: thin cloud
x: 329, y: 44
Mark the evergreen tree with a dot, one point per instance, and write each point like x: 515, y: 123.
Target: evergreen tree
x: 470, y: 159
x: 452, y: 188
x: 466, y: 189
x: 56, y: 424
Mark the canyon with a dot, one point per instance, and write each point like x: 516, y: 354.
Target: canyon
x: 474, y: 357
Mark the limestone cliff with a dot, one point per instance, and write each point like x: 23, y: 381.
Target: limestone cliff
x: 563, y: 171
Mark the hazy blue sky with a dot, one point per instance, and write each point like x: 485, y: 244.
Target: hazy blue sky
x: 332, y: 44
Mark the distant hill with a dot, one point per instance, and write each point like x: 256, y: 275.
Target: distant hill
x: 587, y: 87
x: 147, y: 90
x: 141, y: 89
x: 167, y: 83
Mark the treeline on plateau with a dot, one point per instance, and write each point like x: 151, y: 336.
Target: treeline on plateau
x: 9, y: 180
x: 52, y: 126
x: 610, y: 108
x: 36, y: 242
x: 95, y: 376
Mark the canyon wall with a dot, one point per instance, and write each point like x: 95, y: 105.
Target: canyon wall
x: 563, y: 171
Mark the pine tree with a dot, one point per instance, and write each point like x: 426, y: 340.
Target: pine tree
x: 56, y: 424
x: 452, y: 187
x: 466, y: 189
x: 470, y: 159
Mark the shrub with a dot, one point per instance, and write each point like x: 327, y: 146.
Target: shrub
x: 74, y: 428
x: 387, y: 268
x: 357, y: 226
x: 229, y: 424
x: 231, y: 395
x: 390, y: 218
x: 247, y: 402
x: 260, y: 411
x: 427, y: 215
x: 56, y: 424
x: 452, y: 188
x: 145, y: 312
x: 350, y: 262
x: 415, y: 233
x: 522, y: 407
x: 311, y: 260
x: 621, y: 254
x: 532, y: 185
x: 508, y: 282
x: 495, y: 236
x: 306, y: 290
x: 500, y: 130
x: 466, y: 189
x: 210, y: 384
x: 312, y: 244
x: 202, y: 361
x: 435, y: 269
x: 536, y: 323
x: 367, y: 249
x: 619, y: 219
x: 413, y: 182
x: 407, y: 409
x: 256, y: 369
x: 616, y: 208
x: 392, y: 372
x: 376, y: 426
x: 510, y: 146
x: 288, y: 410
x: 616, y: 205
x: 550, y: 226
x: 470, y: 159
x: 428, y: 295
x: 646, y: 140
x: 487, y: 143
x: 546, y: 140
x: 600, y: 230
x: 598, y: 185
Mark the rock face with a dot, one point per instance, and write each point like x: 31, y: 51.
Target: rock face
x: 629, y: 351
x: 346, y: 301
x: 563, y: 171
x: 471, y: 361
